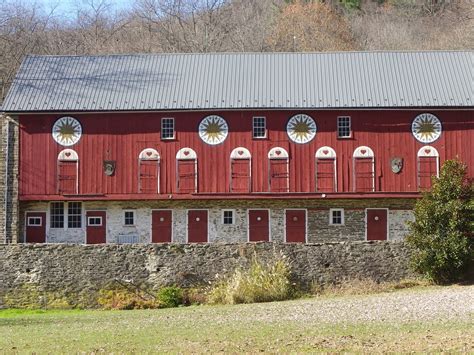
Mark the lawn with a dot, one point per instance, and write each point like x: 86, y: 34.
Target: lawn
x: 301, y: 325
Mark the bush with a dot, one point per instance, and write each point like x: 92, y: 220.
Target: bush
x: 260, y: 283
x: 125, y: 299
x: 171, y: 296
x: 441, y: 235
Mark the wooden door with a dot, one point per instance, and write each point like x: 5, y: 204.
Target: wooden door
x: 161, y: 226
x: 278, y: 171
x: 186, y: 180
x: 427, y: 168
x: 240, y: 175
x: 295, y: 226
x: 376, y: 224
x: 96, y: 227
x: 325, y: 175
x: 149, y: 176
x: 259, y: 228
x: 363, y: 175
x: 197, y: 226
x: 67, y: 177
x: 35, y: 227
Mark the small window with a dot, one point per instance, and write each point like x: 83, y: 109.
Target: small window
x: 228, y: 217
x: 129, y: 218
x: 34, y: 221
x: 344, y: 127
x: 259, y: 127
x: 336, y: 216
x: 167, y: 128
x: 94, y: 221
x: 74, y: 215
x: 57, y: 215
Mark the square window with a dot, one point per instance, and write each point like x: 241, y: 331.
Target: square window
x: 167, y: 128
x: 259, y: 127
x: 57, y: 214
x: 74, y: 215
x: 129, y: 218
x: 228, y: 217
x: 94, y: 221
x: 336, y: 216
x: 344, y: 127
x: 34, y: 221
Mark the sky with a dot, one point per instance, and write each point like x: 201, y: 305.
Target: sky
x: 68, y: 8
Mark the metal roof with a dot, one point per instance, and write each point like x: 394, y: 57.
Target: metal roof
x: 243, y: 80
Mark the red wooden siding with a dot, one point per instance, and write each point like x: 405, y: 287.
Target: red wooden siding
x: 118, y: 137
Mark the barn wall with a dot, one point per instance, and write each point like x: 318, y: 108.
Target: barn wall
x: 76, y: 272
x: 121, y: 136
x: 318, y: 227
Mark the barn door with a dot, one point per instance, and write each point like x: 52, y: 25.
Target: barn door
x: 295, y: 226
x: 68, y: 168
x: 240, y: 170
x: 35, y: 227
x: 259, y: 228
x: 376, y: 224
x: 96, y: 227
x: 363, y: 169
x: 161, y: 226
x: 197, y: 226
x: 428, y: 166
x: 326, y: 177
x: 278, y: 170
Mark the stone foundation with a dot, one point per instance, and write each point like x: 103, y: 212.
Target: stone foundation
x: 76, y: 270
x: 319, y: 228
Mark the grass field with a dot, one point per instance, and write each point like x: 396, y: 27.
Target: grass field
x: 321, y: 324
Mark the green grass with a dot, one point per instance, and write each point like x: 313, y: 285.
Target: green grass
x: 217, y: 329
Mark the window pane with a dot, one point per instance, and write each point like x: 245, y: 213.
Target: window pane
x: 228, y: 217
x: 57, y: 215
x: 129, y: 218
x: 343, y: 127
x: 167, y: 128
x: 74, y: 215
x: 259, y: 127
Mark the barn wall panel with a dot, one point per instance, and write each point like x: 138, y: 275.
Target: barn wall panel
x: 121, y: 137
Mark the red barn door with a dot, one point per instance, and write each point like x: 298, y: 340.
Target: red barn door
x: 35, y: 227
x: 240, y: 175
x: 161, y: 226
x: 259, y: 228
x: 197, y: 226
x: 427, y: 168
x: 376, y: 224
x: 295, y: 226
x: 96, y: 227
x: 149, y: 176
x: 67, y: 177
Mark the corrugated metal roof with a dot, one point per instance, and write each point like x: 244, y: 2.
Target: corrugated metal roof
x: 243, y: 80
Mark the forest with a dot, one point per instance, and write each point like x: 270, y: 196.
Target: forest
x: 154, y: 26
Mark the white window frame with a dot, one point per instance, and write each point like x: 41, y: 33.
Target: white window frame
x: 162, y: 129
x: 30, y: 224
x: 264, y: 127
x: 331, y: 211
x: 66, y: 215
x: 233, y: 217
x: 350, y: 127
x: 124, y: 218
x: 50, y: 214
x: 94, y: 217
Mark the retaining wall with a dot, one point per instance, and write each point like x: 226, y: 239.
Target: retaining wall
x: 81, y: 270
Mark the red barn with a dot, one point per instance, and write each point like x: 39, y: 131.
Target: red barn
x: 288, y: 147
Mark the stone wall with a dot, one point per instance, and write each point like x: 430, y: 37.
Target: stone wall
x: 8, y: 179
x: 318, y: 227
x: 76, y: 270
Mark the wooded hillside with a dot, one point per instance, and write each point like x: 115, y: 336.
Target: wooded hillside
x: 231, y: 25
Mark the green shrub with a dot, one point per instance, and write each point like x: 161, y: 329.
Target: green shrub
x: 260, y: 283
x: 441, y: 235
x: 171, y: 296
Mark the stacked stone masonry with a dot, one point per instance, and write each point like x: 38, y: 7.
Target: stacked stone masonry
x: 318, y: 226
x: 76, y: 270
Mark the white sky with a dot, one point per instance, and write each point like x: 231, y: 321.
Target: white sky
x: 69, y: 7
